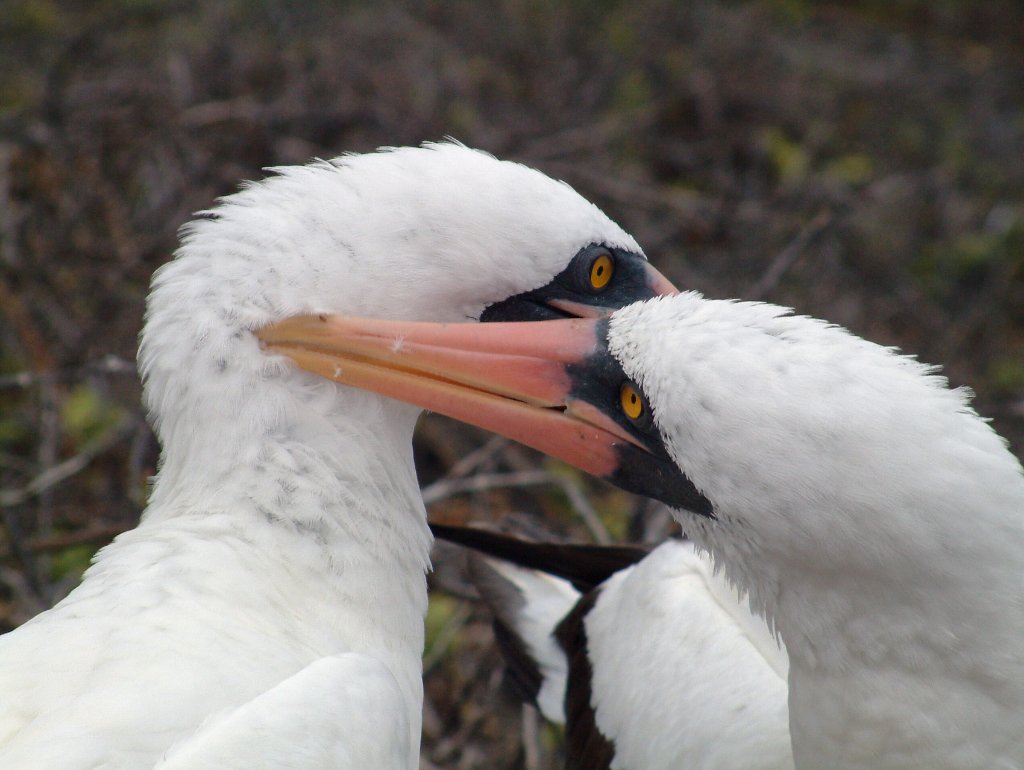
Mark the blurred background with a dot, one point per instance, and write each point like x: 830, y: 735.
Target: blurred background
x: 858, y: 161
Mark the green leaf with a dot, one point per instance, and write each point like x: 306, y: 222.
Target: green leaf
x: 72, y: 561
x: 853, y: 169
x: 440, y: 611
x: 787, y: 157
x: 86, y: 415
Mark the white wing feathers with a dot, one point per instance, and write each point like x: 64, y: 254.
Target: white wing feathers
x: 345, y: 712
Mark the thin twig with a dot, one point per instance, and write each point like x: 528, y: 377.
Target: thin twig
x: 785, y: 258
x: 586, y: 511
x: 482, y: 482
x: 208, y: 113
x: 477, y: 457
x: 94, y: 534
x: 16, y: 547
x: 637, y: 193
x: 8, y: 210
x: 531, y: 738
x: 18, y: 380
x: 27, y: 602
x: 67, y: 468
x: 14, y: 307
x: 445, y: 636
x: 47, y: 452
x: 109, y: 364
x: 590, y: 135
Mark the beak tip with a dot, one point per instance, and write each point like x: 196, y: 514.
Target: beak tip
x: 659, y: 284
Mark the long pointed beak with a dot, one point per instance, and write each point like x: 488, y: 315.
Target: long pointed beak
x: 549, y: 384
x: 509, y: 378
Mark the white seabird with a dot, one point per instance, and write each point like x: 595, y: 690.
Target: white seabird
x: 268, y: 609
x: 875, y: 520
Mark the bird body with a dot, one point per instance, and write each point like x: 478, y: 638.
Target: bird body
x: 355, y: 687
x: 191, y: 616
x: 678, y: 672
x: 285, y: 545
x: 705, y: 682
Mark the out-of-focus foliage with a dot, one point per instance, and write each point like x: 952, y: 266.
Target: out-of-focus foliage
x: 862, y: 161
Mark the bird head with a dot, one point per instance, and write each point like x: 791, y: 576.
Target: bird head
x: 789, y: 446
x: 439, y: 232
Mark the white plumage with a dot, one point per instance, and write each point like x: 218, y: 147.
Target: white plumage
x: 873, y: 518
x: 681, y: 674
x: 685, y: 676
x: 267, y: 611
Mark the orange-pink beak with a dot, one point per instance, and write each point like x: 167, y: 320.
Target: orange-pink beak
x: 509, y: 378
x: 549, y: 384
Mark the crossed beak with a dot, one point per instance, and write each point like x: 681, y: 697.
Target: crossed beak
x: 510, y: 378
x: 549, y: 384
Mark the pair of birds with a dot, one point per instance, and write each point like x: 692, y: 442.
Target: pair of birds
x: 267, y: 611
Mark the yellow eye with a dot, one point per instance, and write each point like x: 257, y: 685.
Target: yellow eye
x: 631, y: 401
x: 601, y: 270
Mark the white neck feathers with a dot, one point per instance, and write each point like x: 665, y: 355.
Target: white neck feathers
x: 874, y: 518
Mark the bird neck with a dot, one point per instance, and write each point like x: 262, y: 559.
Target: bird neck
x: 250, y: 442
x: 314, y: 485
x: 241, y: 430
x: 312, y: 457
x: 873, y: 517
x: 895, y: 582
x: 304, y: 542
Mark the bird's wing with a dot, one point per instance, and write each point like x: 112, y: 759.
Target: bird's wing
x: 344, y: 712
x: 527, y: 606
x: 68, y: 696
x: 682, y: 673
x: 661, y: 665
